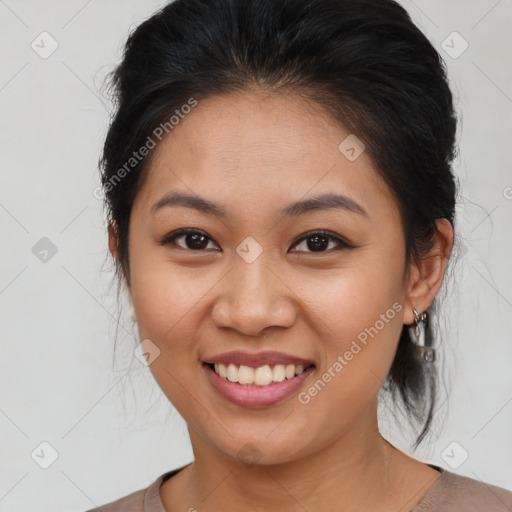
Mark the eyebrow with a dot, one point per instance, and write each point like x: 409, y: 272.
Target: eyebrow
x: 322, y: 202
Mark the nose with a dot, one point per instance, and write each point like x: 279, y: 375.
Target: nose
x: 252, y: 298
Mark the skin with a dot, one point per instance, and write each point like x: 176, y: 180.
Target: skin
x: 255, y: 153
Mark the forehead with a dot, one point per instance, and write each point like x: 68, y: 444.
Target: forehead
x: 238, y: 147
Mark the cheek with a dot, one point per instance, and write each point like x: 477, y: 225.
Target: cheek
x: 165, y: 296
x: 169, y: 304
x: 359, y: 319
x: 359, y: 314
x: 166, y: 300
x: 353, y: 297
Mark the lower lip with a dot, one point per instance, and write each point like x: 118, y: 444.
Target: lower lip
x: 250, y: 395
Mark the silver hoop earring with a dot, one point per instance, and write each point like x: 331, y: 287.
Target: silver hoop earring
x: 419, y: 339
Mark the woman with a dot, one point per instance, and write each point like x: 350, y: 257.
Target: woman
x: 281, y: 210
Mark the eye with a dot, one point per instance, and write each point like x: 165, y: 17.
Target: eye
x: 318, y: 241
x: 192, y: 239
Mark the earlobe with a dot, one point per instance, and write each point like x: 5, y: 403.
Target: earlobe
x: 427, y: 277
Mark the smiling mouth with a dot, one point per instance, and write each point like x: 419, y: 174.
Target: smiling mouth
x: 266, y: 375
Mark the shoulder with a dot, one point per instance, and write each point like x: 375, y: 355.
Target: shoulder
x: 142, y: 500
x: 133, y: 502
x: 459, y: 493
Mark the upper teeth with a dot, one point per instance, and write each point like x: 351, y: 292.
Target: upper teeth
x: 261, y: 376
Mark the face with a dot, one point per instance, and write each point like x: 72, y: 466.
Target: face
x: 306, y: 294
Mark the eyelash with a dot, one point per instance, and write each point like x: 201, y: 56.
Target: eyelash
x: 342, y: 244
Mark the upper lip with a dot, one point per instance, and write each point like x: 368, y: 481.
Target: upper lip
x: 256, y: 360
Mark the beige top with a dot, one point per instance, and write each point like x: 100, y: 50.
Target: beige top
x: 450, y: 493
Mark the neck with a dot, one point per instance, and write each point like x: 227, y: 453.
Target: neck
x: 352, y: 471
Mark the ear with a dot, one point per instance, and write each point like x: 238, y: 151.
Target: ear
x: 425, y: 279
x: 112, y: 238
x: 113, y: 248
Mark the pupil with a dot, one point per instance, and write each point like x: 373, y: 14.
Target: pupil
x: 195, y: 241
x: 320, y: 242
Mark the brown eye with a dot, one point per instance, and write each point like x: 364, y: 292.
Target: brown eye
x: 319, y: 241
x: 191, y: 239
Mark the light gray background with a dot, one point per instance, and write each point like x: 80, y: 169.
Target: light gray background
x: 113, y: 429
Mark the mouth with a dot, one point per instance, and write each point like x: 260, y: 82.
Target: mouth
x: 258, y: 380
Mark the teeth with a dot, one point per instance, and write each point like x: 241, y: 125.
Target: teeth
x: 289, y: 371
x: 278, y: 375
x: 262, y: 376
x: 245, y: 375
x: 223, y: 371
x: 232, y: 373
